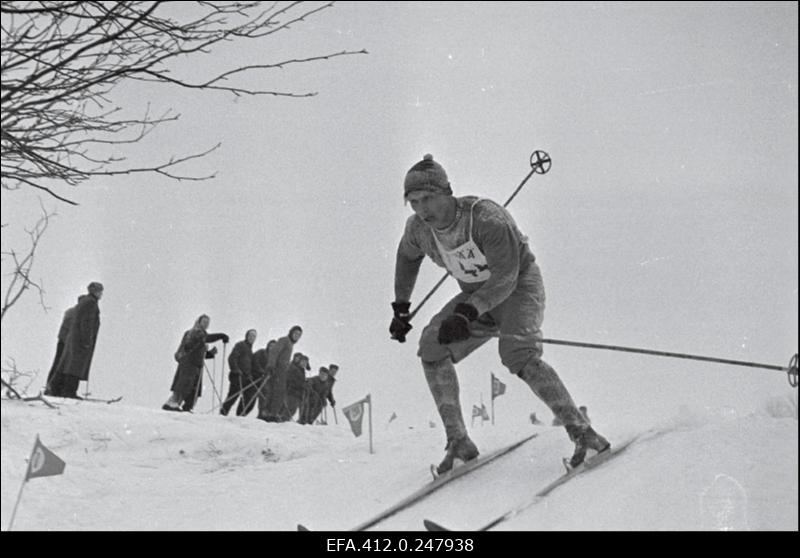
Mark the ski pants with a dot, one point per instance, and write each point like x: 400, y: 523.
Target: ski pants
x: 516, y: 322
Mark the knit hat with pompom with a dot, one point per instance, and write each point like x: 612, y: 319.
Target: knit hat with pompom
x: 427, y: 175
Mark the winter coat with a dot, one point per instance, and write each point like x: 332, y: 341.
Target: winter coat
x: 66, y: 322
x: 276, y: 384
x: 295, y: 380
x: 80, y: 339
x: 316, y: 391
x: 329, y: 392
x: 241, y: 359
x: 191, y: 355
x: 259, y: 364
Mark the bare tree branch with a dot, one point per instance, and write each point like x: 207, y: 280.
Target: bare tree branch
x: 22, y: 264
x: 62, y: 61
x: 16, y: 377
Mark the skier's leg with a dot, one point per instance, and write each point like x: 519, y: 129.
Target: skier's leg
x: 437, y: 363
x: 234, y: 387
x: 519, y: 318
x: 246, y: 396
x: 443, y: 383
x: 190, y: 399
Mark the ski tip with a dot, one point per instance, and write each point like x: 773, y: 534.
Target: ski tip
x: 301, y: 527
x: 433, y: 526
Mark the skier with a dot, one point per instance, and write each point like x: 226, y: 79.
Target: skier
x: 276, y: 384
x: 188, y: 381
x: 240, y: 376
x: 502, y: 294
x: 76, y: 358
x: 295, y: 385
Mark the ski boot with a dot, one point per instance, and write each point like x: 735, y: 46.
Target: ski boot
x: 462, y: 448
x: 585, y: 439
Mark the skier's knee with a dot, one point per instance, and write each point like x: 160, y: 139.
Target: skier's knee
x: 430, y: 350
x: 516, y: 354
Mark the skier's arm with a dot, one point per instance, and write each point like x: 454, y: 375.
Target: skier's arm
x: 408, y: 260
x: 211, y: 337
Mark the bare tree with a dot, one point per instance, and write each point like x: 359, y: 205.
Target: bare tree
x: 22, y: 264
x: 61, y: 60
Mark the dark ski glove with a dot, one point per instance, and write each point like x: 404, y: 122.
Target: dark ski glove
x: 455, y: 327
x: 401, y: 324
x: 212, y: 353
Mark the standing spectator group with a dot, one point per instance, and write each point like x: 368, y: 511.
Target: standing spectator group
x: 273, y: 377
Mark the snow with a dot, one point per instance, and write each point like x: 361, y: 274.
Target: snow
x: 134, y: 468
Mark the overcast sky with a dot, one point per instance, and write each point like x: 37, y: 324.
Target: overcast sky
x: 668, y: 221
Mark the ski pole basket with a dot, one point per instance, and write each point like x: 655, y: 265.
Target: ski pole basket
x: 791, y: 371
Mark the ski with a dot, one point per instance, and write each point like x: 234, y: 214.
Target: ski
x: 437, y: 483
x: 441, y: 481
x: 96, y: 400
x: 589, y: 464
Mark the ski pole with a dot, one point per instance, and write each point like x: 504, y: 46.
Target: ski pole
x: 240, y: 392
x: 540, y: 164
x: 211, y: 379
x: 213, y: 375
x: 791, y: 369
x: 222, y: 367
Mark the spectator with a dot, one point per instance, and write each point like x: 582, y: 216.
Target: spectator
x: 79, y: 343
x: 193, y: 350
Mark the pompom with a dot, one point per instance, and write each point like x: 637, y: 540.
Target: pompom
x: 427, y: 157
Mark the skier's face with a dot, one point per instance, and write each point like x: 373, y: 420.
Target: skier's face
x: 251, y: 336
x: 437, y: 210
x: 205, y: 322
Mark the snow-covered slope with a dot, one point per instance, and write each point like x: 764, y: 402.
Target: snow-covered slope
x: 136, y: 468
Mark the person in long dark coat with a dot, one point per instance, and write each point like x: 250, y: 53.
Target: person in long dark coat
x: 63, y: 331
x: 76, y: 358
x: 276, y: 384
x: 191, y: 354
x: 295, y: 385
x: 242, y: 386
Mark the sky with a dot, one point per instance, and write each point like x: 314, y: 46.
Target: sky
x: 668, y: 220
